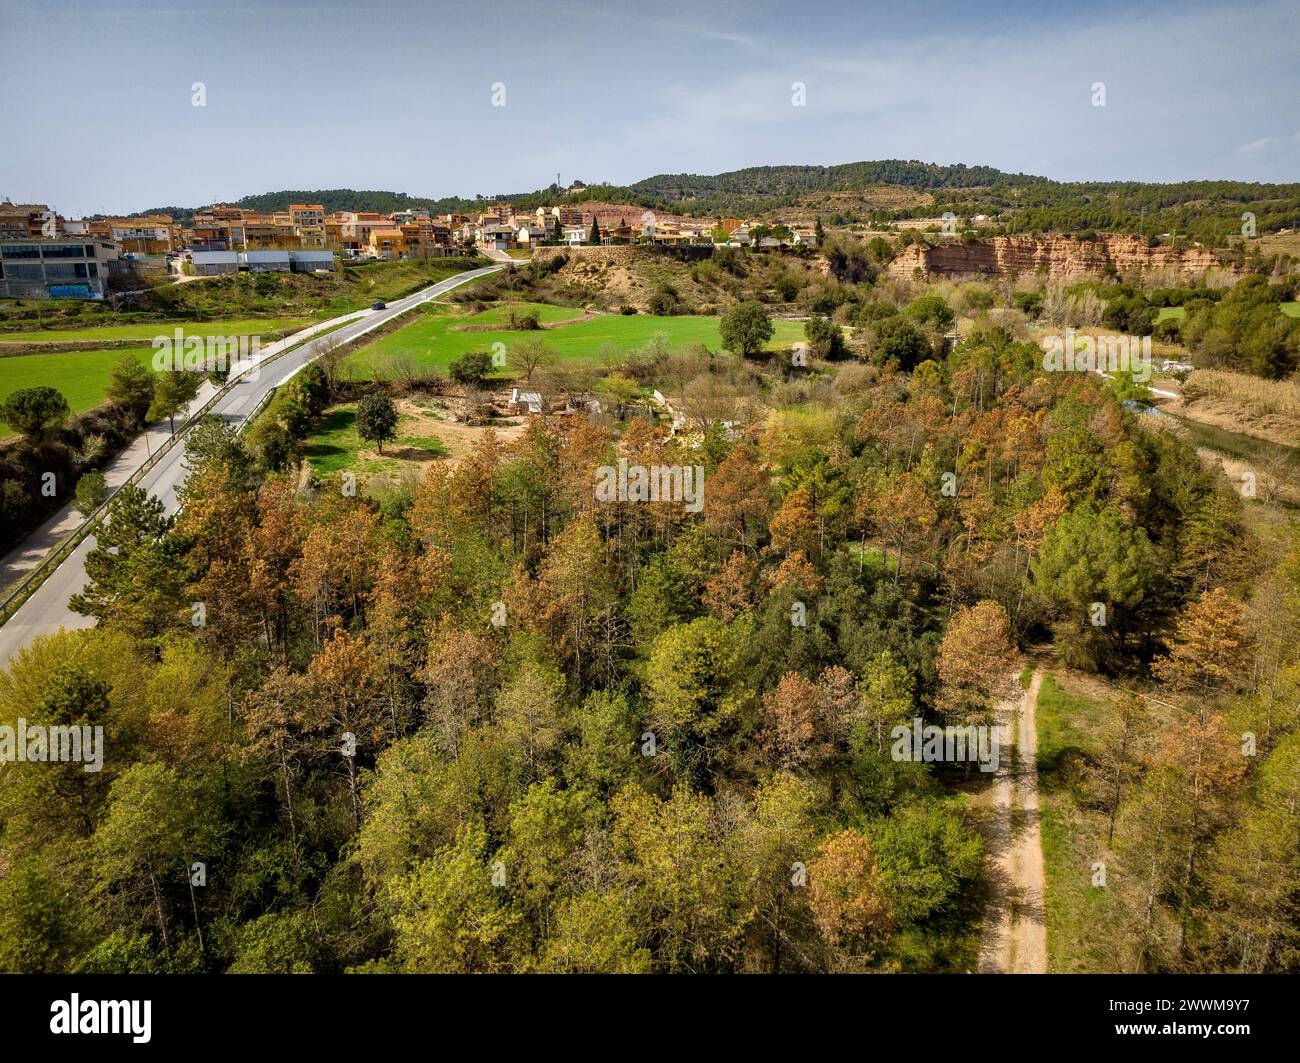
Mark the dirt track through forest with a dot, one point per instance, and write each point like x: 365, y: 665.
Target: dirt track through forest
x: 1015, y: 929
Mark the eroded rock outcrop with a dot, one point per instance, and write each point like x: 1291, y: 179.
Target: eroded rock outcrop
x: 1059, y: 258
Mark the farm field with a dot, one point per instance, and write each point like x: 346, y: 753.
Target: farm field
x: 435, y: 340
x: 149, y: 329
x: 82, y: 376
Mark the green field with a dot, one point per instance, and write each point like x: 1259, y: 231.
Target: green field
x: 500, y: 315
x: 1079, y: 915
x: 434, y: 340
x: 149, y: 329
x: 82, y: 376
x: 334, y: 445
x: 1291, y: 309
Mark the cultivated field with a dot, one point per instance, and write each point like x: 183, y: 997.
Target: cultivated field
x: 81, y: 376
x: 434, y: 340
x: 149, y: 329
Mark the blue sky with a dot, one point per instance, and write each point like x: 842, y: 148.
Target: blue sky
x: 391, y: 94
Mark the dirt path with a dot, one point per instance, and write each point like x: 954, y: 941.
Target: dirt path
x: 1015, y: 929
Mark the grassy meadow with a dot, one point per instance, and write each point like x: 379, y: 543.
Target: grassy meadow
x: 435, y: 339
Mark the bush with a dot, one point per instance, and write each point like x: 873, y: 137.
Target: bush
x: 1029, y: 303
x: 1169, y: 330
x: 825, y: 339
x: 471, y: 367
x: 665, y: 302
x: 870, y: 313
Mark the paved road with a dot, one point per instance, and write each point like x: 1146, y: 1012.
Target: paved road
x: 32, y: 550
x: 46, y: 611
x: 501, y: 256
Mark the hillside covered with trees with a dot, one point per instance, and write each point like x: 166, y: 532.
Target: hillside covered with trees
x: 490, y: 722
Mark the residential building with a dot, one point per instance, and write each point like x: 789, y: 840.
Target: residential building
x: 41, y: 268
x: 218, y: 229
x: 405, y: 217
x: 269, y: 231
x: 564, y: 215
x: 618, y: 234
x: 530, y: 234
x: 310, y: 214
x: 425, y: 238
x: 501, y: 212
x: 357, y: 225
x: 387, y: 243
x: 30, y: 220
x: 498, y: 235
x: 148, y: 234
x: 308, y: 222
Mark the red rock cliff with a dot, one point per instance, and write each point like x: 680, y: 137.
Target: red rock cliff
x: 1061, y: 258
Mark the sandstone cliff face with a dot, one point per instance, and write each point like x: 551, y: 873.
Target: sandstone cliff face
x: 1060, y: 258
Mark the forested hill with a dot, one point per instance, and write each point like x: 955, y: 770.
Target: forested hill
x: 762, y: 181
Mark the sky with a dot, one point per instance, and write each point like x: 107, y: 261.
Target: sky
x: 98, y: 115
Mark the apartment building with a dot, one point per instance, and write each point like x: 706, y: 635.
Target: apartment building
x: 405, y: 217
x: 357, y: 225
x: 308, y: 222
x: 425, y: 238
x: 38, y: 268
x: 217, y: 229
x: 31, y: 220
x: 388, y: 243
x: 149, y: 234
x: 566, y: 216
x: 499, y: 212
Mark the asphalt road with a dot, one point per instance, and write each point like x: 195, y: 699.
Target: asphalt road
x: 46, y: 611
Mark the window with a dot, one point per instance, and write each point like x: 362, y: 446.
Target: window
x: 65, y: 271
x: 63, y: 251
x: 21, y: 251
x: 15, y: 272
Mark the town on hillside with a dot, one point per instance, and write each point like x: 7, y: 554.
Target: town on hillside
x: 42, y: 253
